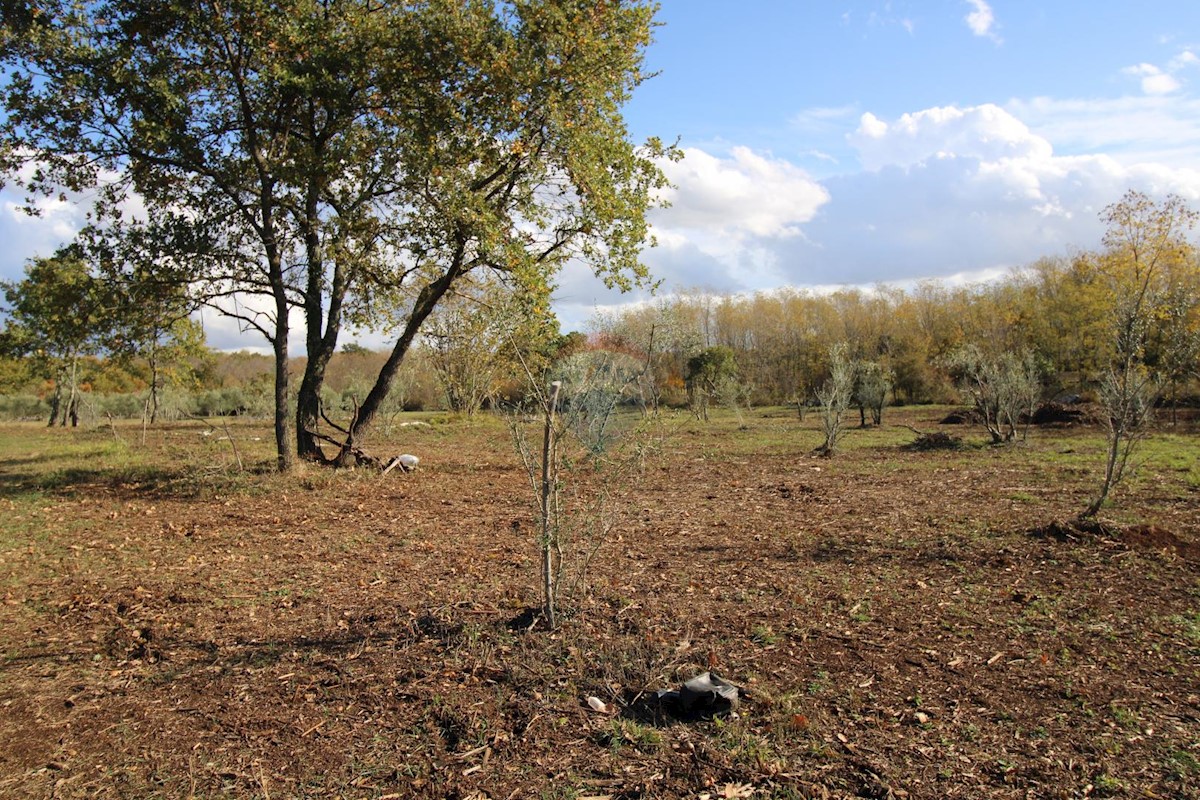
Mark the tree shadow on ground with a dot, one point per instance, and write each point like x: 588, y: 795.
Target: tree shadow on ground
x: 124, y: 482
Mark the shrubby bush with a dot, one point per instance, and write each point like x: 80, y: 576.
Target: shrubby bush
x: 117, y: 406
x: 253, y: 400
x: 23, y: 407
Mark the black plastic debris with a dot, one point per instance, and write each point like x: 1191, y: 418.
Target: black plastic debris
x: 705, y: 695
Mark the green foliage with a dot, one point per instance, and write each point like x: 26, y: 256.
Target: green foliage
x: 57, y: 315
x: 834, y: 397
x: 1146, y: 245
x: 353, y: 160
x: 872, y: 382
x: 595, y: 384
x: 1005, y: 388
x: 16, y: 374
x: 52, y: 313
x: 22, y: 407
x: 484, y: 338
x: 711, y: 374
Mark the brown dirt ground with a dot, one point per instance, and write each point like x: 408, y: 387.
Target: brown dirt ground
x: 905, y: 624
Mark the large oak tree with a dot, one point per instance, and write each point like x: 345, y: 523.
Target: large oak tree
x: 347, y: 160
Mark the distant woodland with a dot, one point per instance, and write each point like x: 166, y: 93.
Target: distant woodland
x: 774, y: 347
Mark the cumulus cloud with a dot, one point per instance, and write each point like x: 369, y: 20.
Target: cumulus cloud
x: 745, y: 194
x: 1154, y: 81
x: 982, y: 20
x: 721, y: 232
x: 1158, y: 81
x: 952, y: 190
x: 56, y: 220
x: 948, y: 192
x: 1185, y: 59
x: 987, y: 132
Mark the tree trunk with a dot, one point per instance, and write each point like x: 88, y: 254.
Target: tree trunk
x: 284, y: 444
x: 308, y: 414
x: 285, y: 458
x: 549, y: 507
x: 427, y: 299
x: 321, y: 338
x: 55, y: 401
x: 1110, y: 473
x: 154, y: 380
x: 72, y: 409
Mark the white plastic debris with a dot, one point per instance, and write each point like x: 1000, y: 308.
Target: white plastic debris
x: 597, y: 704
x: 406, y: 463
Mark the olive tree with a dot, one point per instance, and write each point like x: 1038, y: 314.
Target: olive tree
x: 1145, y: 241
x: 1004, y: 388
x: 481, y: 339
x: 872, y: 382
x: 834, y: 397
x: 711, y: 373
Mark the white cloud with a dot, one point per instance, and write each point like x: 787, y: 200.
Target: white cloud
x: 1154, y: 81
x: 58, y: 218
x: 744, y: 195
x: 721, y: 232
x: 1132, y: 130
x: 987, y: 132
x: 950, y: 193
x: 1185, y: 59
x: 982, y: 20
x: 947, y: 191
x: 27, y: 237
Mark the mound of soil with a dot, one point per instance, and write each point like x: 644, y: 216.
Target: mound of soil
x: 1064, y: 414
x: 1143, y: 537
x: 963, y: 416
x: 937, y: 440
x: 1153, y: 537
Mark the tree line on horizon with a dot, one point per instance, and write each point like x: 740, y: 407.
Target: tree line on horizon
x: 481, y: 348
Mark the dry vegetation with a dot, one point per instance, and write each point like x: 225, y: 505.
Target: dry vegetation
x: 907, y: 623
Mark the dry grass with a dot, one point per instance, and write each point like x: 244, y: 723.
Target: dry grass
x: 174, y: 627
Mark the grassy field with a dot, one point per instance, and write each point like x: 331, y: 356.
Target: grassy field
x: 179, y: 622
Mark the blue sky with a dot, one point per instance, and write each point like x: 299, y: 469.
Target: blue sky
x: 861, y: 142
x: 857, y: 142
x: 755, y: 73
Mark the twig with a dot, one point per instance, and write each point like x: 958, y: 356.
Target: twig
x: 112, y: 426
x: 262, y: 780
x: 313, y: 728
x: 236, y: 454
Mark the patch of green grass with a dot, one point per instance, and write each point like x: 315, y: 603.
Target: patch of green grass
x: 1182, y: 765
x: 860, y: 612
x: 621, y: 733
x: 1108, y: 786
x: 1189, y: 626
x: 762, y: 634
x: 744, y: 746
x: 1126, y: 718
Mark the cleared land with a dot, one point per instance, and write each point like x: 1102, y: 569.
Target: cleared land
x: 906, y: 624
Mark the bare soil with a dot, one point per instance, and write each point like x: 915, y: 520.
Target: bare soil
x: 904, y: 623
